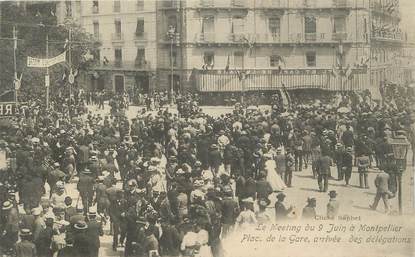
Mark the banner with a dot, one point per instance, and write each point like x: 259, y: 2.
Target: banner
x: 44, y: 63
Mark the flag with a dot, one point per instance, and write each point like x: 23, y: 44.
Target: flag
x: 227, y: 64
x: 286, y: 94
x: 349, y: 72
x: 66, y: 44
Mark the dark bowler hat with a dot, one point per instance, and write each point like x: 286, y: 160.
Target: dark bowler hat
x: 333, y: 193
x: 280, y: 196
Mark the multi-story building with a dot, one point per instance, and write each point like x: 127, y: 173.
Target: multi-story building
x: 242, y: 45
x: 126, y: 59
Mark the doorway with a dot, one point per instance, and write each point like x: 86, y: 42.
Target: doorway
x: 142, y: 83
x: 119, y: 84
x: 176, y: 82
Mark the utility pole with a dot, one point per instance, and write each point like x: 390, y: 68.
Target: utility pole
x: 14, y: 62
x: 70, y: 68
x: 47, y: 80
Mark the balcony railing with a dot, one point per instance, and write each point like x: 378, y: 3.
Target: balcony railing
x: 272, y: 4
x: 237, y: 37
x: 117, y: 37
x: 239, y: 3
x: 140, y: 36
x: 310, y: 36
x: 340, y: 3
x: 97, y: 37
x: 206, y: 3
x: 387, y: 36
x: 206, y: 37
x: 171, y: 4
x: 118, y: 63
x: 339, y: 36
x: 141, y: 64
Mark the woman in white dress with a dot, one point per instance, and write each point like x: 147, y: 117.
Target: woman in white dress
x: 277, y: 184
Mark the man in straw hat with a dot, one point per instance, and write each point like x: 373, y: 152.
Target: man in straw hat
x: 93, y: 232
x: 11, y: 227
x: 25, y: 248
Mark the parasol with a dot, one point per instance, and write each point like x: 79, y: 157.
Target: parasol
x: 285, y: 114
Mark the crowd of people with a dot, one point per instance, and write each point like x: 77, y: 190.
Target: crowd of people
x: 170, y: 185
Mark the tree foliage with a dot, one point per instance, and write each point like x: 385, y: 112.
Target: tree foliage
x: 33, y: 23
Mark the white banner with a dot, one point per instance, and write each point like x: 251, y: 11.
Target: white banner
x: 57, y: 59
x: 43, y: 63
x: 36, y: 62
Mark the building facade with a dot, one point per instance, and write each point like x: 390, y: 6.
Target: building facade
x: 126, y: 60
x: 243, y: 45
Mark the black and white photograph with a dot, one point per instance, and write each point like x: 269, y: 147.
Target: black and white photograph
x: 207, y: 128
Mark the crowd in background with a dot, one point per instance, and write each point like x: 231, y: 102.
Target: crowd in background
x: 179, y: 184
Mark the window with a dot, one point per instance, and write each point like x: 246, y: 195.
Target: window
x: 237, y: 25
x: 68, y: 5
x: 139, y: 32
x: 274, y: 60
x: 95, y: 7
x: 339, y: 25
x: 140, y: 59
x: 208, y: 24
x: 208, y: 58
x: 117, y: 27
x: 238, y: 59
x: 118, y: 56
x: 172, y: 21
x: 96, y: 29
x: 311, y: 59
x: 310, y: 24
x: 274, y: 25
x: 117, y: 6
x: 140, y: 5
x: 96, y: 55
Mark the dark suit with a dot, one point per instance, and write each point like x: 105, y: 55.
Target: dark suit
x: 382, y: 186
x: 93, y: 232
x: 25, y: 249
x: 86, y: 190
x: 263, y: 189
x: 323, y: 171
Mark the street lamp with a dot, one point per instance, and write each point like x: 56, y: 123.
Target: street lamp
x: 171, y: 34
x: 400, y: 145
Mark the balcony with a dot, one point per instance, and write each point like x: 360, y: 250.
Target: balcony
x: 340, y: 3
x: 339, y: 36
x: 237, y: 37
x: 140, y: 37
x: 117, y: 37
x: 118, y: 63
x: 97, y: 37
x: 239, y: 4
x: 272, y: 4
x: 268, y: 38
x: 141, y: 64
x: 171, y: 4
x: 387, y: 36
x: 310, y: 37
x: 206, y: 37
x: 206, y: 3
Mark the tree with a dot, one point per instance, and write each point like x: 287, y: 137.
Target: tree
x: 33, y: 23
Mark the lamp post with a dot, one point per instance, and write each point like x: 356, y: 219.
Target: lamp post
x: 400, y: 145
x: 171, y: 33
